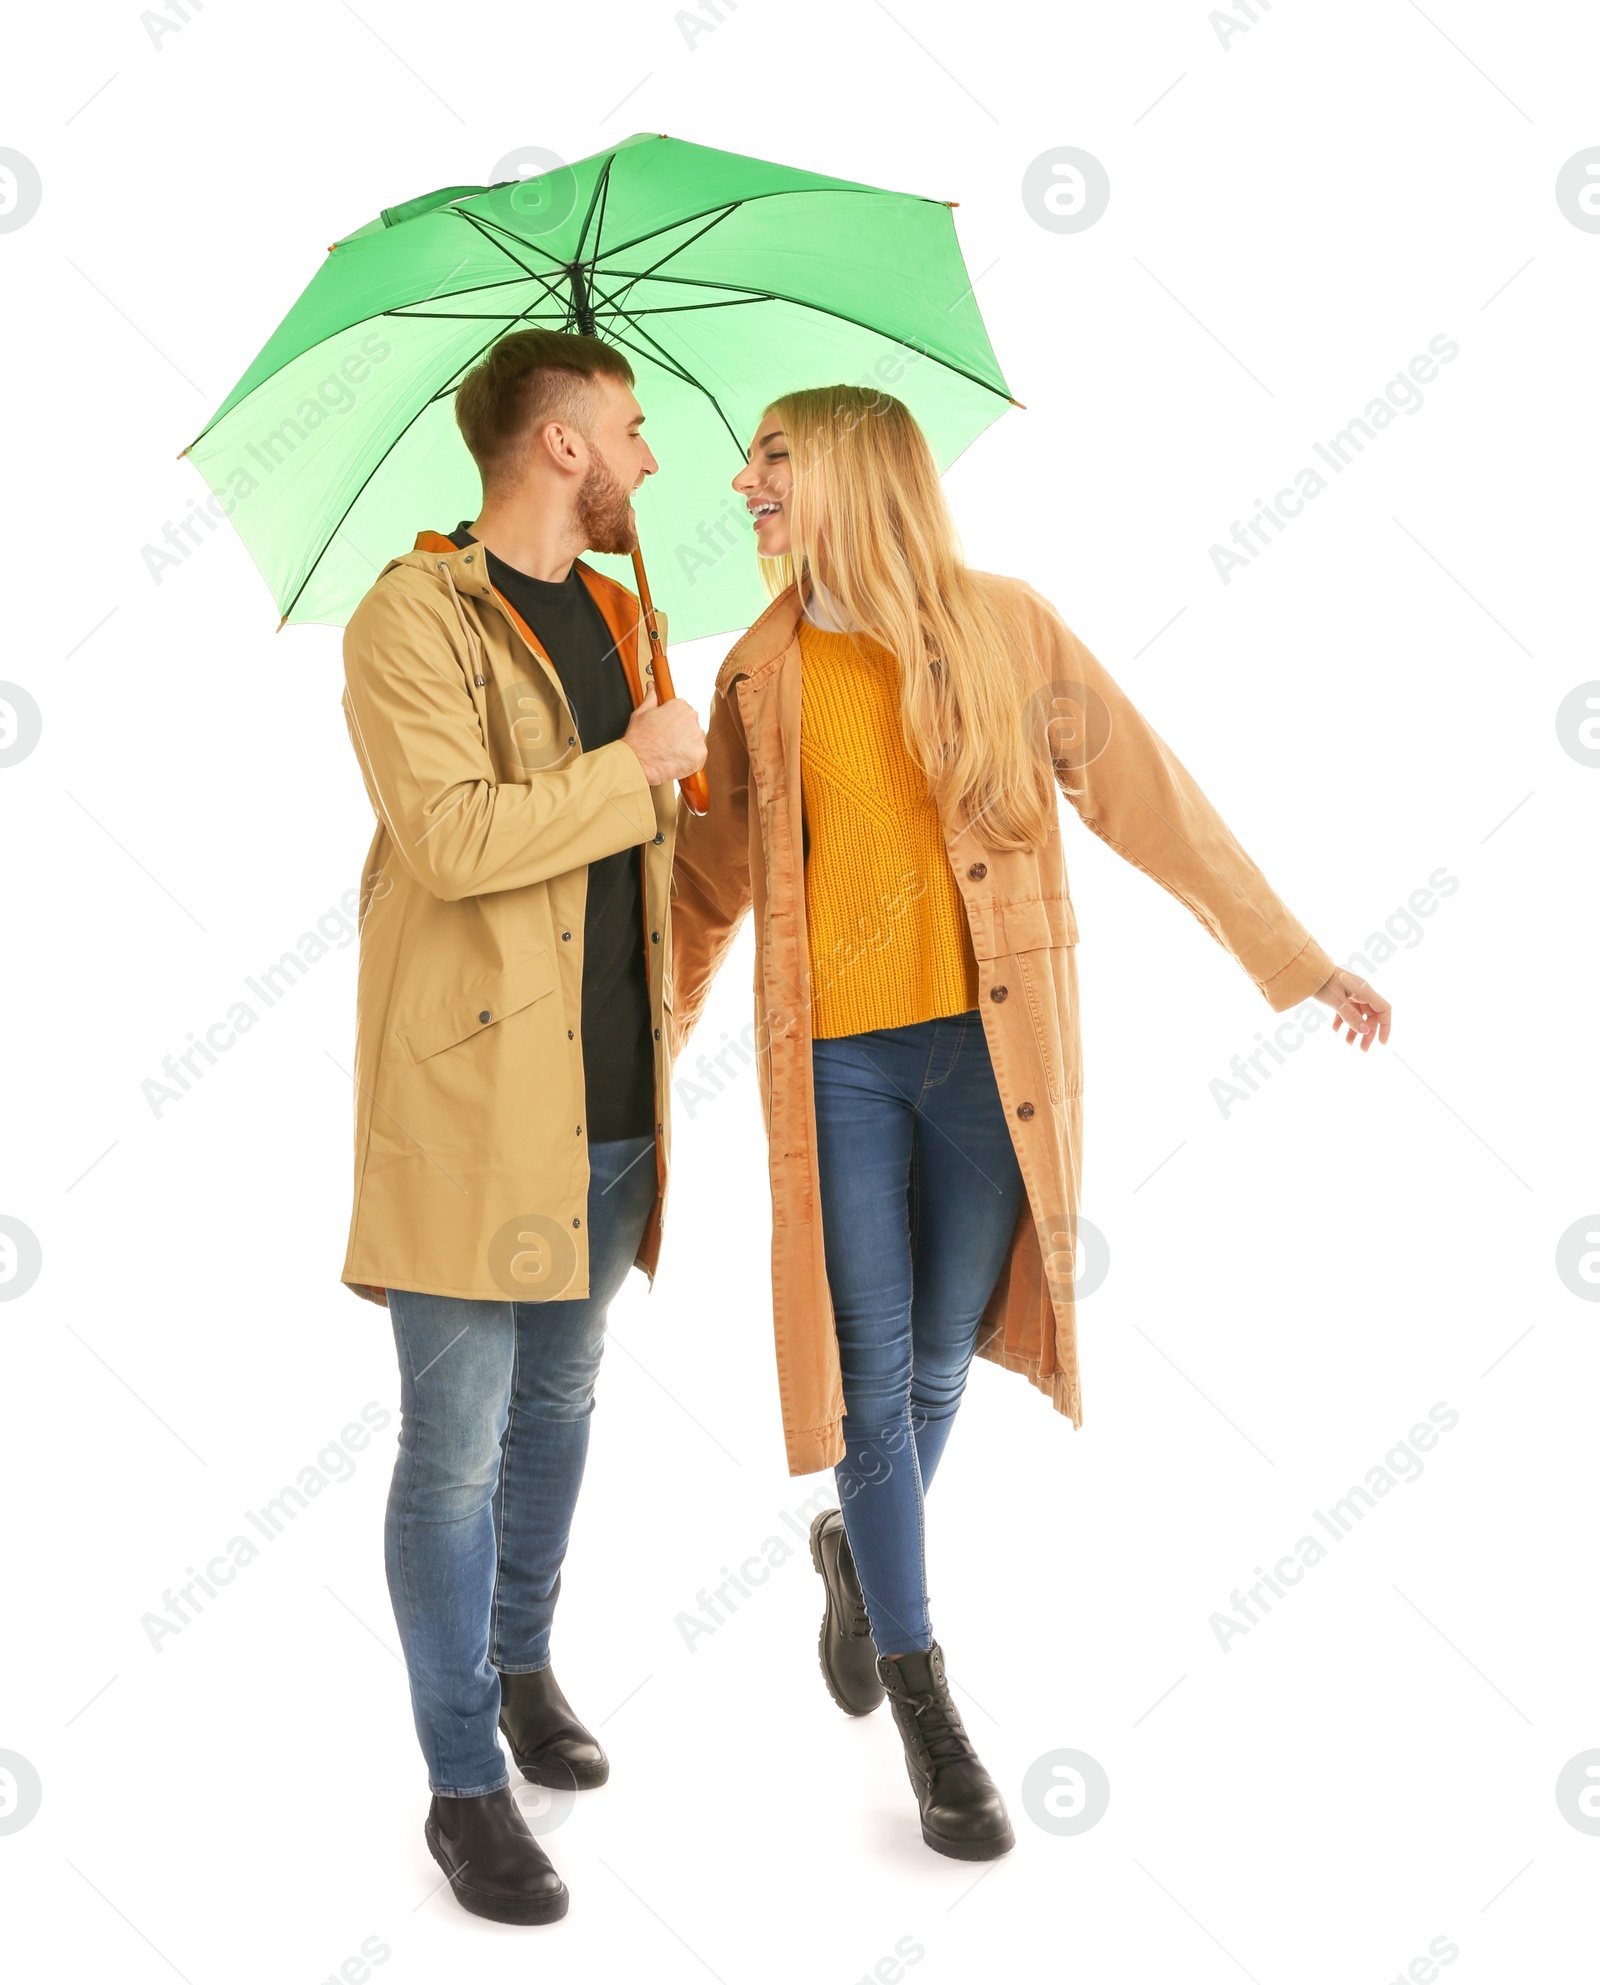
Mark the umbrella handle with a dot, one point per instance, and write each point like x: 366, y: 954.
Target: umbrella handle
x: 695, y: 791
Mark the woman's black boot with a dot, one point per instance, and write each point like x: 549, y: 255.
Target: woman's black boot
x: 547, y: 1741
x: 844, y: 1645
x: 496, y: 1867
x: 962, y: 1811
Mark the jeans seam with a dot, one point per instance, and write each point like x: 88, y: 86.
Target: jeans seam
x: 926, y: 1625
x: 505, y: 1499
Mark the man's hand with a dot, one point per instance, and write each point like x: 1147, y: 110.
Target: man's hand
x: 1358, y: 1007
x: 666, y: 738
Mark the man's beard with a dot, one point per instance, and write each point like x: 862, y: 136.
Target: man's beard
x: 605, y: 514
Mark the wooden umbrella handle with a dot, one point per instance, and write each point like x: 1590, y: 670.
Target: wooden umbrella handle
x: 695, y: 791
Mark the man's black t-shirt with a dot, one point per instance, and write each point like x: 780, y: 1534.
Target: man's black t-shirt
x: 618, y: 1061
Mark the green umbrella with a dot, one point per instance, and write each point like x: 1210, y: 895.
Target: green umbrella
x: 726, y: 280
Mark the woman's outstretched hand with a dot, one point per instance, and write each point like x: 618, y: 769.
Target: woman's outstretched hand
x: 1357, y: 1007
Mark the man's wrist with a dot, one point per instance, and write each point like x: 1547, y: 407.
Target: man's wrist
x: 648, y: 770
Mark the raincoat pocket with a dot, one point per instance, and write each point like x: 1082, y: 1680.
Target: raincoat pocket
x: 476, y: 1008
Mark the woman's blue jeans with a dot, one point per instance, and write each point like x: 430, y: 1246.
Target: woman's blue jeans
x: 495, y: 1399
x: 920, y: 1196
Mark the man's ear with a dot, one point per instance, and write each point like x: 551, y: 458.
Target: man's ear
x: 560, y: 442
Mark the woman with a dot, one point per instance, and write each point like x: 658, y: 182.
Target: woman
x: 884, y: 746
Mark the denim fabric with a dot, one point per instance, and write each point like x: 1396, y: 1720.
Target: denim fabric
x: 920, y: 1196
x: 495, y: 1400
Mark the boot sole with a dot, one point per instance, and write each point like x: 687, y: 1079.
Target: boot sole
x: 522, y: 1910
x: 971, y: 1850
x: 849, y: 1708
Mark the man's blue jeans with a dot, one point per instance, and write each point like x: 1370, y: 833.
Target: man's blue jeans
x: 495, y: 1399
x: 920, y: 1196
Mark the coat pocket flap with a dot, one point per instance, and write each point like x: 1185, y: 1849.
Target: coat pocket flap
x: 482, y: 1005
x: 1036, y: 925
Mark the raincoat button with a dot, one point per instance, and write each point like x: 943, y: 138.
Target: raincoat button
x: 655, y: 937
x: 659, y: 839
x: 569, y: 1033
x: 1024, y: 1110
x: 575, y: 1223
x: 572, y: 740
x: 484, y: 1016
x: 469, y: 557
x: 658, y: 1033
x: 998, y: 993
x: 978, y: 871
x: 566, y: 937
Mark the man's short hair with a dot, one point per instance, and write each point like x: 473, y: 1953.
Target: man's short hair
x: 528, y: 378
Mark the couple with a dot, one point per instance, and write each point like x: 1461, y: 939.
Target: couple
x: 541, y: 921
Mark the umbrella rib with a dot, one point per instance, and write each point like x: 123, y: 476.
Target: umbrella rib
x: 654, y: 310
x: 662, y: 357
x: 492, y: 230
x: 533, y: 275
x: 839, y: 316
x: 778, y: 193
x: 398, y: 310
x: 600, y: 223
x: 601, y: 185
x: 716, y: 221
x: 476, y: 316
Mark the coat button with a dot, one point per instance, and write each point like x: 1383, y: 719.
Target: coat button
x: 569, y: 1033
x: 566, y: 936
x: 655, y: 937
x: 469, y: 557
x: 998, y: 993
x: 1024, y: 1110
x: 484, y: 1016
x: 978, y: 871
x: 575, y: 1223
x: 572, y: 740
x: 658, y: 1033
x: 659, y: 839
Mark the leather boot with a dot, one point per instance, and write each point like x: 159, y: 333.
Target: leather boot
x: 962, y: 1812
x: 844, y: 1644
x: 496, y: 1867
x: 548, y: 1742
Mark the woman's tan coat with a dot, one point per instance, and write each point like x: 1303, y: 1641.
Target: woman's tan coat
x: 747, y: 853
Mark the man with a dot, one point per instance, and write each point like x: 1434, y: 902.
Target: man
x: 512, y: 1060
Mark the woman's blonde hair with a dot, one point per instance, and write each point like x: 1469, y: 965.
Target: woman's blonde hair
x: 873, y: 539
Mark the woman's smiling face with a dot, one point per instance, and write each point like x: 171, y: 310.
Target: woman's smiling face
x: 765, y: 483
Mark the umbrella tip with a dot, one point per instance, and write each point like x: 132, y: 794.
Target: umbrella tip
x: 1019, y: 403
x: 952, y: 203
x: 180, y: 454
x: 282, y: 624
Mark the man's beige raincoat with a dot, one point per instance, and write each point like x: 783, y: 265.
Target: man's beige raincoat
x: 747, y: 852
x: 471, y: 1161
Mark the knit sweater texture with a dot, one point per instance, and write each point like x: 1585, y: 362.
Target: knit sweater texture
x: 887, y: 929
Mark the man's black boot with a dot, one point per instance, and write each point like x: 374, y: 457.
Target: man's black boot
x: 962, y: 1812
x: 548, y: 1742
x: 844, y: 1645
x: 496, y: 1867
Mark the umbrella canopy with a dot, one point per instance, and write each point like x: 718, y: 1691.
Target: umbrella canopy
x: 726, y: 280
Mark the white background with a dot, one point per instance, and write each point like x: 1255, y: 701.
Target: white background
x: 1292, y: 1285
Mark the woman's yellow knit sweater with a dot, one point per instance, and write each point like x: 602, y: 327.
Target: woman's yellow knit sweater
x: 887, y: 928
